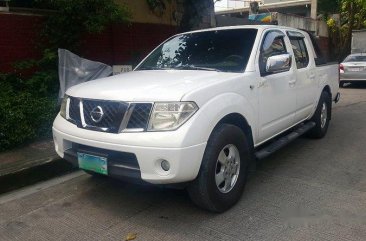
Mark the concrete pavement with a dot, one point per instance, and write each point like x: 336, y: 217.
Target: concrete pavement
x: 310, y: 190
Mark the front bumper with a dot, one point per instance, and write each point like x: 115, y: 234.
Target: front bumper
x: 127, y: 160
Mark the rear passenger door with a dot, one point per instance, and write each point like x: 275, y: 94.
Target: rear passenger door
x: 305, y: 85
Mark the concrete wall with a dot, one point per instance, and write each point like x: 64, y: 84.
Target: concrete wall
x: 359, y: 41
x: 318, y: 27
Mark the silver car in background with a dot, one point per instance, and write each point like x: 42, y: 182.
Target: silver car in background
x: 353, y: 69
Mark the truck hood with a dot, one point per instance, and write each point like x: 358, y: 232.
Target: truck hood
x: 149, y: 85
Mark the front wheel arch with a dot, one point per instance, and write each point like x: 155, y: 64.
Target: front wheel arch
x: 240, y: 121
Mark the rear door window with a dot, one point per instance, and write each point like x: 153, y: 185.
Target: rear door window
x: 300, y: 50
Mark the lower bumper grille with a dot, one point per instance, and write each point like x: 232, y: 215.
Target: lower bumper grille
x: 120, y: 164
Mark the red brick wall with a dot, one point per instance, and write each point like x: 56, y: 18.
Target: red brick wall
x: 18, y: 38
x: 119, y: 44
x: 125, y: 44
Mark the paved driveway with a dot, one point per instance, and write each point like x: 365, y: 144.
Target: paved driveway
x: 311, y: 190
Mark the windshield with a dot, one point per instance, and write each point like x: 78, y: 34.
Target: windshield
x: 356, y: 58
x: 224, y: 50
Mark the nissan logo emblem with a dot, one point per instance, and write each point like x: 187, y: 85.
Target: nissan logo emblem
x: 97, y: 114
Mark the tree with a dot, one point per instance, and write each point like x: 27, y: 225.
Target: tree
x: 194, y: 13
x: 352, y: 17
x: 328, y: 6
x: 70, y: 20
x: 28, y: 96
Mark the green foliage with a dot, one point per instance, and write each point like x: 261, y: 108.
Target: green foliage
x: 28, y: 96
x: 328, y: 6
x: 352, y: 17
x: 153, y: 4
x: 24, y: 112
x: 70, y: 20
x: 193, y: 13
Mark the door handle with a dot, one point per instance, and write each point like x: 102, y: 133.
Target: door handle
x: 292, y: 82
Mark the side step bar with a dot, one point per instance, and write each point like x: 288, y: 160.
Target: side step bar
x: 283, y: 141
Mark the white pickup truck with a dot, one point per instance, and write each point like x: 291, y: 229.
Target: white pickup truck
x: 199, y: 109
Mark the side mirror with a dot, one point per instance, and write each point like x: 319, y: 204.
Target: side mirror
x: 278, y: 63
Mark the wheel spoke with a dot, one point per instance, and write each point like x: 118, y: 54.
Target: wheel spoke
x: 232, y: 153
x: 222, y: 158
x: 227, y: 184
x: 219, y: 178
x: 235, y: 169
x: 323, y: 115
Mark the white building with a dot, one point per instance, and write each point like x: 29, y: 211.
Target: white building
x: 305, y: 8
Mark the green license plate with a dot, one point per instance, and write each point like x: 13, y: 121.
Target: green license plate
x: 93, y: 163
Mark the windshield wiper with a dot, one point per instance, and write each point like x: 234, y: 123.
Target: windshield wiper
x: 194, y: 67
x: 153, y: 68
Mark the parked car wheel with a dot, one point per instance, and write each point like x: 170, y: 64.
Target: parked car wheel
x: 322, y: 116
x: 224, y: 170
x: 341, y: 84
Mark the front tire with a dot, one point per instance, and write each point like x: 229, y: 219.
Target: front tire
x: 321, y: 116
x: 224, y: 170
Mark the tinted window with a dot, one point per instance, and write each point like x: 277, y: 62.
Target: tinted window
x: 273, y: 44
x: 356, y: 58
x: 224, y: 50
x: 301, y: 53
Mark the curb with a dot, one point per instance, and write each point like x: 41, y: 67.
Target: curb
x: 32, y: 172
x: 11, y: 170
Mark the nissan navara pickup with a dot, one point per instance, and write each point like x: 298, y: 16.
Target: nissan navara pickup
x: 199, y: 109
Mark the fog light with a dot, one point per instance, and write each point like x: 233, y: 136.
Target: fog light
x: 165, y: 165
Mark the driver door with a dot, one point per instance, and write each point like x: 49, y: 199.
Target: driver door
x: 276, y: 91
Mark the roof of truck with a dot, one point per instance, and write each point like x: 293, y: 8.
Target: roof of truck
x: 259, y: 27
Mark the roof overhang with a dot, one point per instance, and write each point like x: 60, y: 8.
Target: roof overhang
x: 267, y: 6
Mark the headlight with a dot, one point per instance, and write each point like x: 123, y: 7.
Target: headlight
x: 170, y: 116
x: 63, y: 106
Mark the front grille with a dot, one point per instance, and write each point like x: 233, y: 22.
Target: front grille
x: 113, y: 113
x: 140, y: 116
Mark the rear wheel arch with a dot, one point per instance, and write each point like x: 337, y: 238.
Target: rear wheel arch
x: 327, y: 89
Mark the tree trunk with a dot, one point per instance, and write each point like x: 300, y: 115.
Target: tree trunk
x: 351, y: 22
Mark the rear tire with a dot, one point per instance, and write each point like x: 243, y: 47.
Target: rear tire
x: 341, y: 84
x: 321, y: 117
x: 224, y: 170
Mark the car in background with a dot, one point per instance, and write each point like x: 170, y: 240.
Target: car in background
x: 353, y: 69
